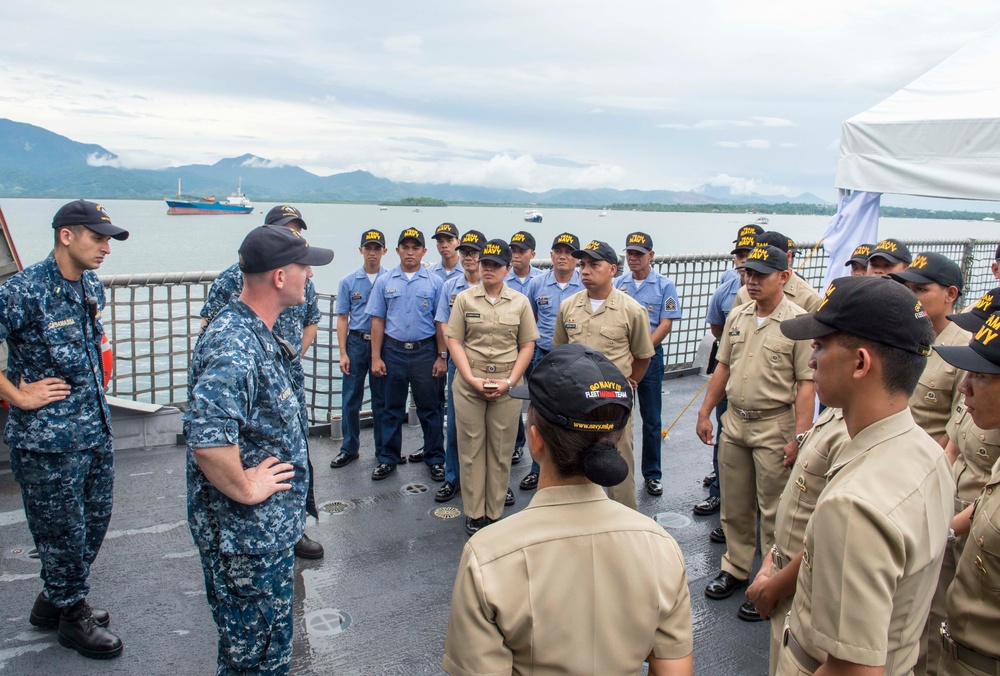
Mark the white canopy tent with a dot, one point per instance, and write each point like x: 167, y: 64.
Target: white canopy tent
x: 937, y: 137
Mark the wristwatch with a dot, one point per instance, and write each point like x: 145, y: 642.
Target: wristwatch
x: 800, y: 437
x: 443, y: 355
x: 509, y: 385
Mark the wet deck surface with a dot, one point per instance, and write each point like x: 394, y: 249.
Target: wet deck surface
x: 389, y: 566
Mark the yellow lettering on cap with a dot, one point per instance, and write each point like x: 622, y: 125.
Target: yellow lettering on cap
x: 605, y: 385
x: 593, y: 246
x: 470, y: 237
x: 919, y: 262
x: 886, y: 245
x: 748, y: 230
x: 565, y: 239
x: 593, y: 426
x: 412, y: 232
x: 492, y: 250
x: 759, y: 254
x: 637, y: 239
x: 985, y: 301
x: 373, y: 234
x: 985, y: 335
x: 747, y: 240
x: 519, y: 237
x: 993, y: 321
x: 289, y: 209
x: 863, y: 250
x: 826, y: 296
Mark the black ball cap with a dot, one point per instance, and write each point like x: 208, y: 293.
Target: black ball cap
x: 496, y: 250
x: 412, y: 233
x: 639, y: 241
x: 982, y: 354
x: 445, y: 230
x: 765, y: 260
x: 270, y: 247
x: 522, y: 239
x: 929, y: 267
x: 373, y: 236
x: 572, y: 381
x: 893, y: 251
x: 772, y: 238
x: 599, y: 251
x: 283, y: 214
x: 90, y: 215
x: 873, y: 308
x: 566, y: 239
x: 751, y: 230
x: 860, y: 254
x: 975, y: 316
x: 472, y: 240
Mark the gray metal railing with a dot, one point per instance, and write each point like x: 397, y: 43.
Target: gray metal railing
x: 153, y: 322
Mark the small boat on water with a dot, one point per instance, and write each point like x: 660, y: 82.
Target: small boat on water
x: 761, y: 220
x: 236, y: 203
x: 603, y: 213
x: 383, y: 208
x: 532, y: 216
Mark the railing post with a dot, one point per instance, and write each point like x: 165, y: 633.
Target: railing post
x: 968, y: 261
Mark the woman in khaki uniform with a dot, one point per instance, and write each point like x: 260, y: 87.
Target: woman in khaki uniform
x: 491, y: 336
x: 575, y: 583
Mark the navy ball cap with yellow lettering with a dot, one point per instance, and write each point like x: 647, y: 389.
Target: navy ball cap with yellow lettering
x: 873, y: 308
x: 414, y: 234
x: 572, y: 381
x: 639, y: 241
x: 373, y: 235
x: 522, y: 239
x: 982, y: 354
x: 472, y: 240
x: 892, y: 250
x: 283, y: 214
x: 90, y: 215
x: 974, y: 317
x: 930, y: 267
x: 496, y: 250
x: 765, y: 260
x: 599, y: 251
x: 566, y: 239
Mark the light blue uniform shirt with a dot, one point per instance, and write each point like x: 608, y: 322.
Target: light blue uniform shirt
x: 457, y: 271
x: 722, y: 300
x: 407, y: 305
x: 656, y: 293
x: 446, y: 299
x: 352, y: 299
x: 545, y: 296
x: 514, y: 282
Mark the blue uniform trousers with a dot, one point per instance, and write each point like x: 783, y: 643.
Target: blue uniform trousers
x: 359, y: 351
x: 67, y: 501
x: 650, y: 395
x: 451, y: 470
x: 406, y: 369
x: 535, y: 358
x: 250, y: 596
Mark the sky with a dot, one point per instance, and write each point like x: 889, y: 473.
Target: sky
x: 746, y: 95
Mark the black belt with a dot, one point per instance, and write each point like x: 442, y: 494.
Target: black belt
x: 360, y: 334
x: 808, y: 662
x: 968, y: 656
x: 760, y: 415
x: 409, y: 345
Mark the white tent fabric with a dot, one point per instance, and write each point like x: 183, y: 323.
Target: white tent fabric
x: 938, y: 137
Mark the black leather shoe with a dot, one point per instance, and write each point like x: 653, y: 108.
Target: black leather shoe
x: 708, y: 480
x: 446, y: 492
x: 709, y: 506
x: 654, y: 487
x: 307, y: 548
x: 748, y: 612
x: 342, y: 460
x: 723, y: 586
x: 472, y: 526
x: 46, y: 616
x: 718, y: 535
x: 382, y: 470
x: 518, y: 454
x: 437, y: 472
x: 529, y: 483
x: 78, y: 629
x: 509, y: 500
x: 416, y: 456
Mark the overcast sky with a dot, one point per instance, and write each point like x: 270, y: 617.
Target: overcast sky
x: 511, y: 93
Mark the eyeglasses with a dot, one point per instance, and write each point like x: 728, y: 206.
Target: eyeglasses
x: 465, y: 253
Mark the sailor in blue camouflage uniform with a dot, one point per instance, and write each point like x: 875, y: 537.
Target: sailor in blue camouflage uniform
x: 546, y: 292
x: 658, y: 295
x: 247, y: 470
x: 297, y: 325
x: 522, y: 249
x: 59, y: 429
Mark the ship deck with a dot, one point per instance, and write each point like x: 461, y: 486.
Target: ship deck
x: 387, y: 574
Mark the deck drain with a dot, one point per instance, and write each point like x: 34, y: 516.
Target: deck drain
x: 446, y: 512
x: 672, y: 520
x: 414, y: 489
x: 327, y: 622
x: 337, y: 506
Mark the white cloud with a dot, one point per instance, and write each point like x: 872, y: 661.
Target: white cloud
x: 102, y: 160
x: 773, y: 121
x: 643, y: 103
x: 745, y: 186
x: 261, y: 163
x: 755, y: 143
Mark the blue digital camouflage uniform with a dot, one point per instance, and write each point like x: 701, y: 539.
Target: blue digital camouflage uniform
x: 61, y: 454
x: 241, y: 392
x: 288, y: 326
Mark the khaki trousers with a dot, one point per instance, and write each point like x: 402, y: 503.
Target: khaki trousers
x: 486, y: 432
x: 930, y: 642
x: 778, y: 618
x: 625, y: 491
x: 752, y: 477
x: 949, y: 666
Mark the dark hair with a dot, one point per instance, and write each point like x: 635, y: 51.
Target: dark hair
x: 589, y: 454
x: 77, y: 231
x: 901, y: 369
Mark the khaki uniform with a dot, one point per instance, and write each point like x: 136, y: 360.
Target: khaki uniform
x: 796, y: 289
x: 937, y: 390
x: 486, y: 428
x: 764, y: 366
x: 620, y: 330
x: 978, y: 451
x: 873, y: 551
x: 819, y: 449
x: 572, y: 584
x: 974, y: 596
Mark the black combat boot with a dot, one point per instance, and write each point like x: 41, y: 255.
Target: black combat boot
x: 79, y: 630
x: 44, y: 615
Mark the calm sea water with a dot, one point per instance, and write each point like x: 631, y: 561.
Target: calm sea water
x: 162, y: 243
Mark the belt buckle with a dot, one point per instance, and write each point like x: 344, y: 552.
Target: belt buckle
x: 743, y: 414
x: 948, y: 642
x: 491, y: 368
x: 785, y: 633
x: 366, y: 336
x: 407, y: 346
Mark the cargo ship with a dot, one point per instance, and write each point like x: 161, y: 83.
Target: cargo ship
x: 236, y: 203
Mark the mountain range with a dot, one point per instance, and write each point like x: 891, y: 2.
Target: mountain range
x: 35, y: 162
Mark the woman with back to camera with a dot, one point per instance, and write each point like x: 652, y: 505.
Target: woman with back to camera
x: 575, y: 583
x: 491, y: 336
